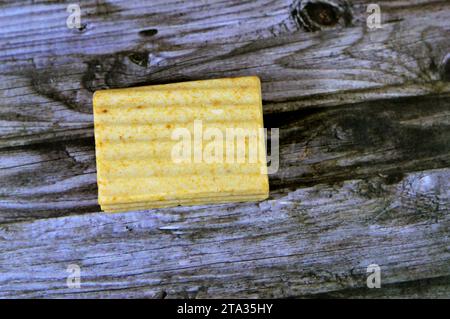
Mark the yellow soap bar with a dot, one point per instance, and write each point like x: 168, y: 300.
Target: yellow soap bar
x: 191, y: 143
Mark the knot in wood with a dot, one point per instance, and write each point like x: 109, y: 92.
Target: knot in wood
x: 314, y: 15
x: 139, y: 58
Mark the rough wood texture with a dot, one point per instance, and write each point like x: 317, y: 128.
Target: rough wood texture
x: 58, y: 69
x: 330, y: 145
x: 364, y: 120
x: 278, y: 248
x: 438, y: 287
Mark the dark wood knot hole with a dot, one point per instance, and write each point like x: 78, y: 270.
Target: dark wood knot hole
x: 313, y: 15
x: 148, y: 32
x: 322, y: 13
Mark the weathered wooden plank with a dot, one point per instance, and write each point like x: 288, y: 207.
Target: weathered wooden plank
x: 349, y: 191
x: 46, y: 85
x: 330, y: 145
x: 430, y: 288
x: 312, y: 240
x: 381, y: 137
x: 48, y: 180
x: 118, y: 25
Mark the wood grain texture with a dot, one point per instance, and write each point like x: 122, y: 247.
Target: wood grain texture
x: 57, y: 69
x: 431, y: 288
x: 364, y: 118
x: 287, y: 247
x: 330, y: 145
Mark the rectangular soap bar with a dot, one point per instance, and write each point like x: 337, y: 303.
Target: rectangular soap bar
x: 191, y: 143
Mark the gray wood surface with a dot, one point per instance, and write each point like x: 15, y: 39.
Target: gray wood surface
x: 276, y: 248
x: 364, y: 118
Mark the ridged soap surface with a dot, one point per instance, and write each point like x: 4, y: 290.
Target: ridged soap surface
x: 134, y: 143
